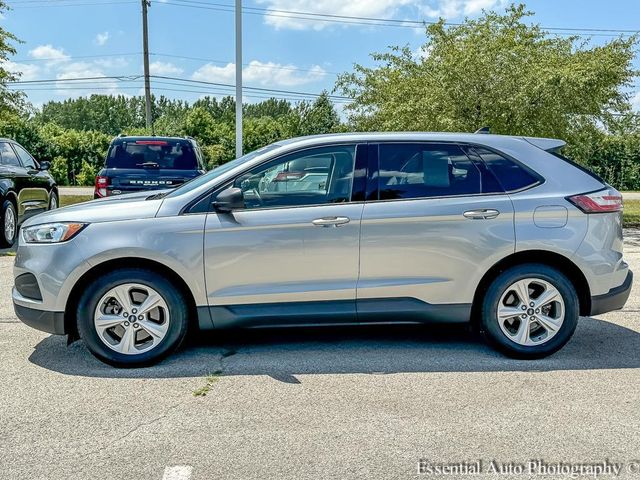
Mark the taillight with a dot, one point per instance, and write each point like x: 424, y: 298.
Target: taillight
x: 602, y: 201
x: 101, y: 186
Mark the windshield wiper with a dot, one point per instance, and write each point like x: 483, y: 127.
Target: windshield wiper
x: 148, y: 165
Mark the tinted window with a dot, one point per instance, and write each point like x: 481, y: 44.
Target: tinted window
x: 312, y: 177
x: 425, y: 170
x: 510, y: 174
x: 165, y: 154
x: 8, y: 156
x: 26, y: 159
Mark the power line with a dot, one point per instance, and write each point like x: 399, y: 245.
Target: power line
x: 130, y: 78
x: 324, y: 17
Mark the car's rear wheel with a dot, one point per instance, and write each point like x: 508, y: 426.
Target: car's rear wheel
x: 530, y: 311
x: 132, y: 317
x: 53, y: 201
x: 9, y: 221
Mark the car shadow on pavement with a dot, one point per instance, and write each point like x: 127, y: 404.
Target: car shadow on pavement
x: 285, y: 353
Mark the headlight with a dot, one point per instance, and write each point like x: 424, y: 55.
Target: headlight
x: 52, y: 232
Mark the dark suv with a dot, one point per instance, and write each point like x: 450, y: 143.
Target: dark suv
x: 148, y: 163
x: 26, y: 188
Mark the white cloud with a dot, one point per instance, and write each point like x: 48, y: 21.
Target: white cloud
x: 50, y: 53
x: 25, y: 70
x: 458, y: 8
x: 77, y: 70
x: 101, y: 38
x: 260, y: 73
x: 164, y: 68
x: 401, y: 9
x: 355, y: 8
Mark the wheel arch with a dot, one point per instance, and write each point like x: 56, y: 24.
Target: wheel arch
x: 544, y: 257
x: 70, y: 320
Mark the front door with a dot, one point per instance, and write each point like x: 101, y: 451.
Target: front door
x: 32, y: 183
x: 436, y: 221
x: 291, y: 255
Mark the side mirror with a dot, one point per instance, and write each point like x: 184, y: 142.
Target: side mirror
x: 228, y: 200
x: 45, y: 166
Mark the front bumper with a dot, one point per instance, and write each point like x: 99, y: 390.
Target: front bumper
x: 50, y: 322
x: 614, y: 299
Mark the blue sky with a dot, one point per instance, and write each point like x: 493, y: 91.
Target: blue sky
x: 71, y: 39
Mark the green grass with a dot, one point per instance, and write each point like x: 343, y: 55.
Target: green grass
x: 66, y: 200
x: 211, y: 379
x: 631, y: 213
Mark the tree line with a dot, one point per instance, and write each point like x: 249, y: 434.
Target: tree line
x: 498, y: 70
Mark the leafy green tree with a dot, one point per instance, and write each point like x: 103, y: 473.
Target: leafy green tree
x: 497, y: 71
x: 11, y: 101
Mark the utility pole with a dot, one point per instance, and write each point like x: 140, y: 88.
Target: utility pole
x: 145, y: 52
x: 238, y: 78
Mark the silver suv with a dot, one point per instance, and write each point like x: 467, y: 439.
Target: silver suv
x: 357, y: 228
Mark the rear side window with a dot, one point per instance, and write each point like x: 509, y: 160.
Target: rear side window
x: 164, y: 154
x: 511, y: 175
x: 415, y: 170
x: 8, y: 156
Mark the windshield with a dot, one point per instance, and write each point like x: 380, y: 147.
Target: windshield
x: 164, y: 154
x: 220, y: 170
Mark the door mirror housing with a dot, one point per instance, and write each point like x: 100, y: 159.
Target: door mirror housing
x: 45, y: 166
x: 229, y: 200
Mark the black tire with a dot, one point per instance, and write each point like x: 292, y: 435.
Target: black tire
x: 173, y: 297
x: 53, y: 197
x: 491, y: 328
x: 5, y: 242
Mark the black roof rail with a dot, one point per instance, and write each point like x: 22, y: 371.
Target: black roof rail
x: 483, y: 130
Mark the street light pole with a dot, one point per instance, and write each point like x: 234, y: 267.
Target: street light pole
x: 145, y: 53
x: 238, y: 78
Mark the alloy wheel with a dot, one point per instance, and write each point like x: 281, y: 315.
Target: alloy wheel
x: 531, y: 311
x: 131, y: 318
x: 9, y: 224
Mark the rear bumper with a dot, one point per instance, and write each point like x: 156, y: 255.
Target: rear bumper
x: 614, y: 299
x: 50, y: 322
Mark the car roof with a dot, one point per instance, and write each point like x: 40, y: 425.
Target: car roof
x: 135, y: 138
x: 473, y: 138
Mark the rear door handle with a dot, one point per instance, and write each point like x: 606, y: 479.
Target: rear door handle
x: 331, y: 221
x: 482, y: 214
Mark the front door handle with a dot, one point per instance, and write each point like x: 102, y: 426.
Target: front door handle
x: 482, y: 214
x: 331, y: 221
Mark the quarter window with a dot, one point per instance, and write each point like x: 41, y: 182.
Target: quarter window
x: 8, y: 156
x: 409, y: 170
x: 510, y: 174
x: 312, y: 177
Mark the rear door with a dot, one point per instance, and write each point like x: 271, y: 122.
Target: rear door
x: 434, y: 222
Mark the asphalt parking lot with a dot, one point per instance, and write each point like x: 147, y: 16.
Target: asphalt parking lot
x: 350, y: 403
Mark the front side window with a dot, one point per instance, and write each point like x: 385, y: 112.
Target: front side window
x: 26, y: 159
x: 415, y: 170
x: 8, y: 156
x: 311, y: 177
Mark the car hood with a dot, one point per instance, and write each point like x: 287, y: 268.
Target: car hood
x: 120, y: 207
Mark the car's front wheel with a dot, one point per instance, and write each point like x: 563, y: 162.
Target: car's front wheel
x: 132, y: 317
x: 530, y: 311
